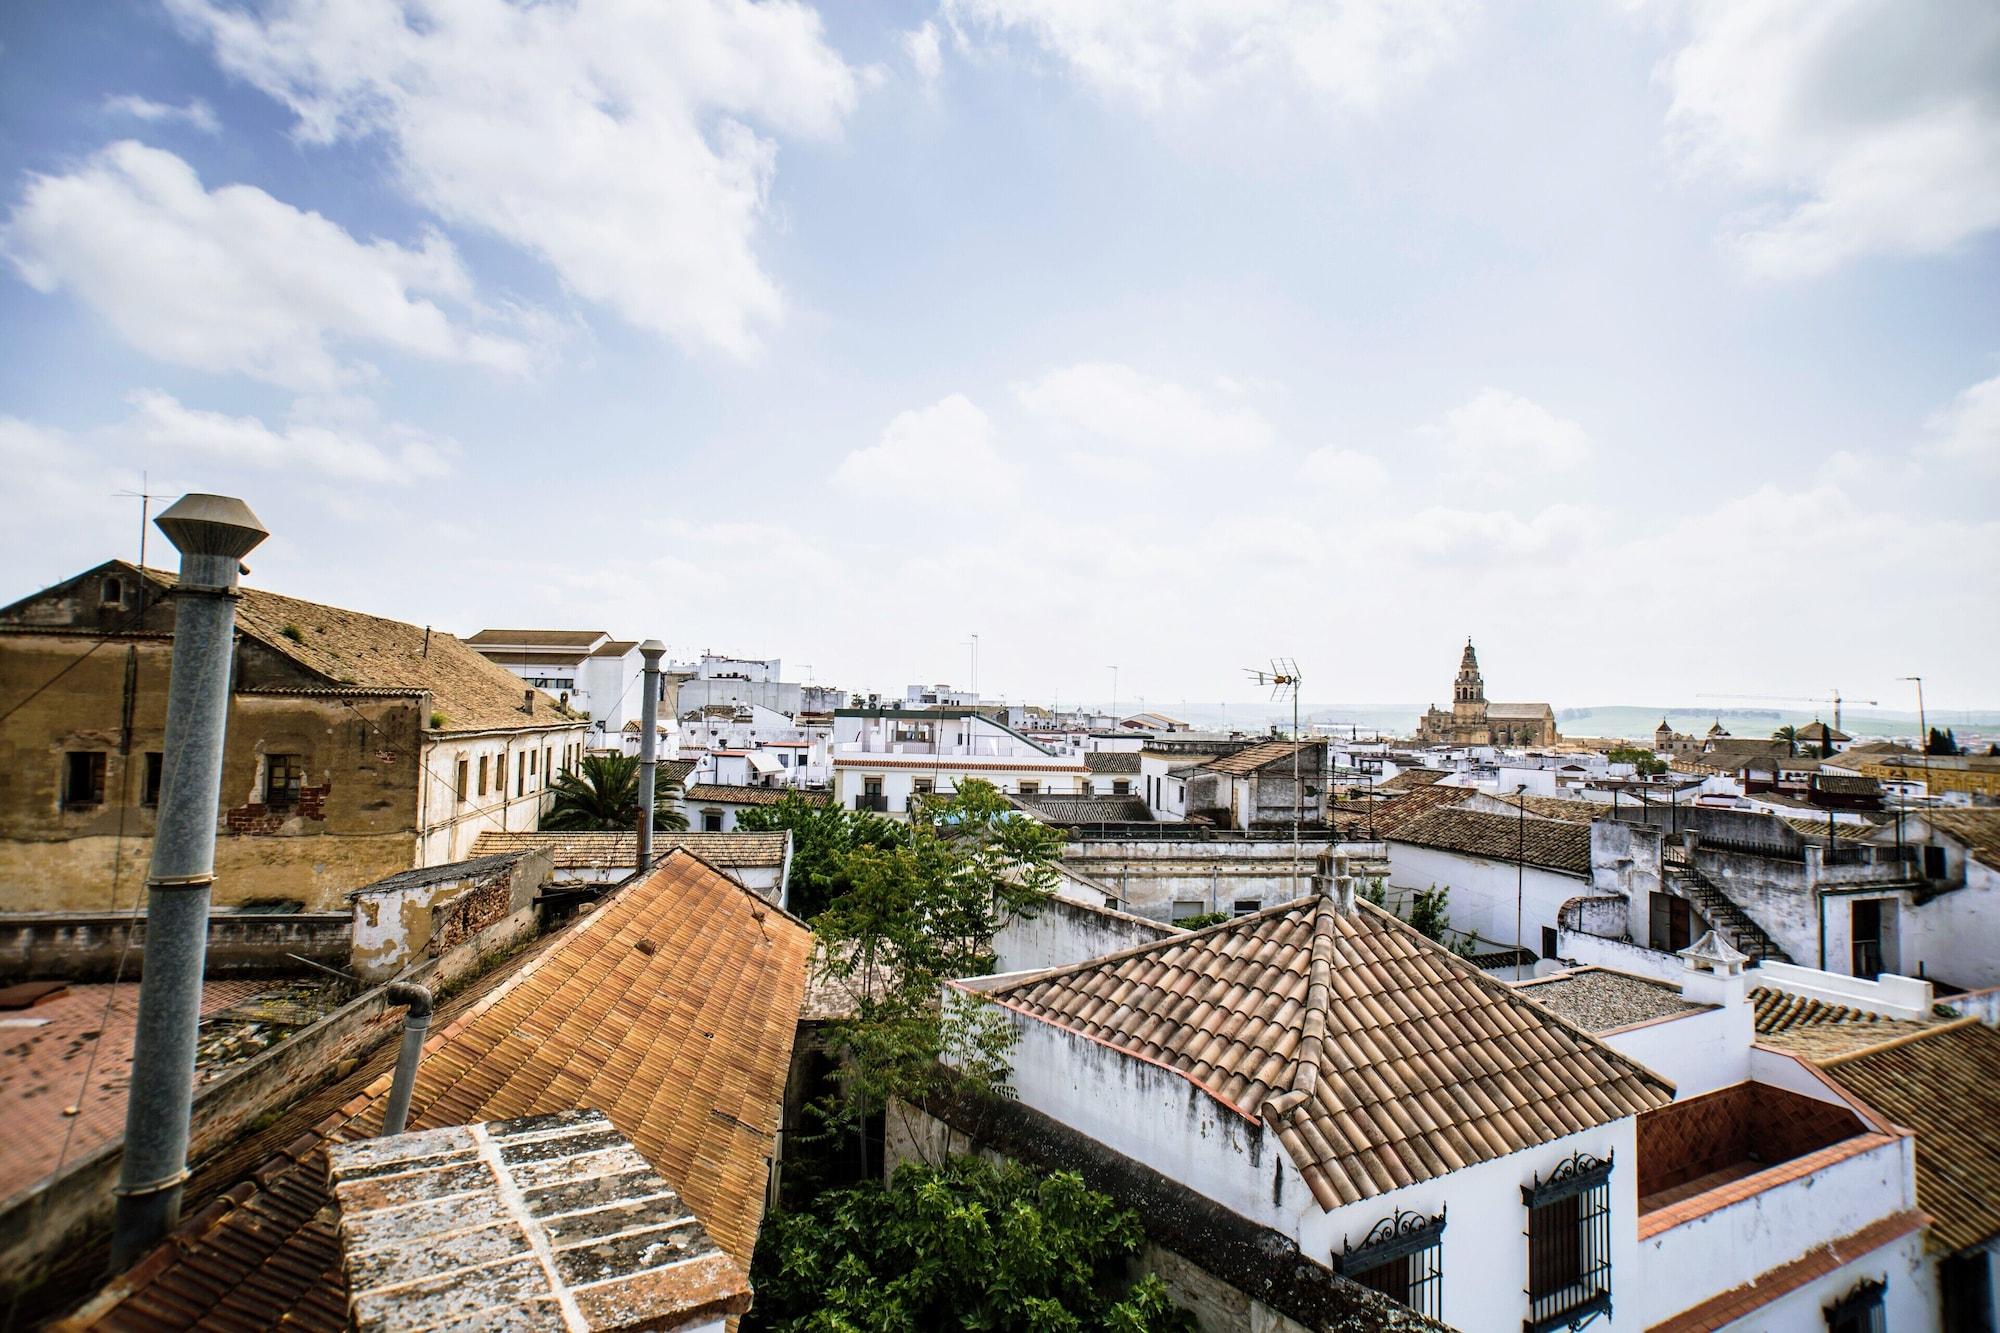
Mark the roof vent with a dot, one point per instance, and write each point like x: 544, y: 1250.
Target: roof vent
x: 553, y: 1221
x: 223, y: 525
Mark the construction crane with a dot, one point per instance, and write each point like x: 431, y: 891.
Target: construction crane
x: 1833, y: 698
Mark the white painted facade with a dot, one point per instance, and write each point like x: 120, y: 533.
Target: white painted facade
x: 1483, y: 891
x: 456, y: 805
x: 882, y: 757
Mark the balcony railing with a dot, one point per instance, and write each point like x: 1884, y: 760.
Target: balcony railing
x: 875, y: 801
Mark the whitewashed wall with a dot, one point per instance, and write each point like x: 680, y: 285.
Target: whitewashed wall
x: 1482, y: 891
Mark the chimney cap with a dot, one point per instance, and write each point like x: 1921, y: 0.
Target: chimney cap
x: 221, y: 525
x: 1712, y: 953
x: 652, y: 650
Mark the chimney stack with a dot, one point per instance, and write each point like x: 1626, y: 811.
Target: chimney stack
x: 1337, y: 883
x: 649, y: 746
x: 213, y: 534
x: 528, y: 702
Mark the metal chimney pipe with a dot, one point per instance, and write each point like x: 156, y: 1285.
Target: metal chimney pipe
x: 649, y: 746
x: 213, y: 534
x: 396, y: 1116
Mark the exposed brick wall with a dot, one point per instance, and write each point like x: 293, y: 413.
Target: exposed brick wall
x: 1746, y: 1122
x: 484, y: 901
x: 257, y: 817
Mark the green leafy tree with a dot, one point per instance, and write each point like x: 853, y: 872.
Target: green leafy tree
x: 1941, y: 742
x: 1790, y: 736
x: 1201, y: 920
x: 602, y: 793
x: 963, y: 1245
x: 909, y: 917
x: 1643, y: 761
x: 1430, y: 917
x: 824, y: 836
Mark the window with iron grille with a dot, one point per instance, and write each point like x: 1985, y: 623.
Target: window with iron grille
x: 1569, y: 1244
x: 1401, y: 1257
x: 1860, y: 1310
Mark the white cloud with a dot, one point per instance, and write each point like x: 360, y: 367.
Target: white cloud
x: 1501, y: 436
x: 615, y: 141
x: 1870, y: 127
x: 1351, y: 54
x: 232, y: 279
x: 337, y: 450
x: 1968, y: 431
x: 1344, y: 471
x: 1113, y: 405
x: 920, y: 44
x: 944, y: 452
x: 194, y: 113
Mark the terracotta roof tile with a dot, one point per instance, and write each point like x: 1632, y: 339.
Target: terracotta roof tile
x: 1257, y: 756
x: 726, y: 795
x: 1357, y: 1039
x: 610, y: 851
x: 1410, y: 779
x: 1818, y: 1030
x: 1944, y: 1084
x: 686, y: 1045
x: 1552, y: 844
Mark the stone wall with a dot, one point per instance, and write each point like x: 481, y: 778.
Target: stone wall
x: 88, y: 946
x: 424, y: 913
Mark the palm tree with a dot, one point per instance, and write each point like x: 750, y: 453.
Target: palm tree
x: 603, y: 794
x: 1790, y: 736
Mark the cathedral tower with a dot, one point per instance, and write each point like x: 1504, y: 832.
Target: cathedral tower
x: 1468, y: 692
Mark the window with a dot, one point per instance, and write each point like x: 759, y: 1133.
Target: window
x: 1967, y: 1280
x: 1031, y: 788
x: 711, y: 821
x: 284, y: 774
x: 1401, y: 1257
x: 1548, y: 941
x: 83, y: 779
x: 482, y: 774
x: 500, y: 775
x: 1087, y: 789
x: 114, y: 592
x: 155, y: 769
x: 1121, y: 786
x: 1569, y: 1244
x: 1860, y: 1310
x: 532, y: 770
x: 1186, y: 909
x: 921, y: 786
x: 521, y: 777
x: 1245, y: 906
x: 461, y: 779
x: 1865, y: 922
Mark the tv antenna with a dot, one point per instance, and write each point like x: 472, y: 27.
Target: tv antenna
x: 1284, y: 678
x: 145, y: 496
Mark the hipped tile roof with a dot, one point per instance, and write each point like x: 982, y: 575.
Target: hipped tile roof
x: 1112, y: 761
x: 1819, y: 1030
x: 1378, y: 1058
x: 610, y: 851
x: 1412, y: 778
x: 672, y: 1007
x: 726, y: 795
x: 1555, y: 807
x: 1409, y: 807
x: 351, y: 648
x: 1551, y: 844
x: 1086, y: 809
x: 1979, y: 830
x: 1944, y: 1084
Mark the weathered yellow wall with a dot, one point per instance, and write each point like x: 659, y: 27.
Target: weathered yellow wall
x: 357, y: 825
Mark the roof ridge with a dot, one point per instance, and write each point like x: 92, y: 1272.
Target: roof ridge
x: 758, y: 901
x: 1900, y: 1039
x: 1312, y: 1027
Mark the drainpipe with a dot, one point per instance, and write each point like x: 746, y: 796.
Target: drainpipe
x: 649, y: 747
x: 397, y: 1115
x: 213, y: 534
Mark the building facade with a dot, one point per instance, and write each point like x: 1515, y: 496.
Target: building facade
x: 1472, y: 720
x: 356, y: 747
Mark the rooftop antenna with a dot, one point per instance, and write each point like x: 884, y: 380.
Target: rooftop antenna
x: 1283, y: 678
x: 974, y: 643
x: 145, y: 496
x: 1114, y: 693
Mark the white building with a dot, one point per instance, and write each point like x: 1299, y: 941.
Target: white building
x: 749, y: 680
x: 748, y: 744
x: 939, y: 696
x: 1345, y: 1098
x: 884, y: 756
x: 1474, y: 854
x: 589, y: 671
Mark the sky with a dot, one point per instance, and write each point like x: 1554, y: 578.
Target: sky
x: 1653, y: 345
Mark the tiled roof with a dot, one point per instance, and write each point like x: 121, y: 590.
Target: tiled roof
x: 1086, y: 809
x: 615, y: 648
x: 1818, y: 1030
x: 1394, y: 813
x: 672, y: 1007
x: 1979, y: 830
x: 351, y: 648
x: 1112, y: 761
x: 1257, y: 756
x: 725, y: 795
x: 1377, y: 1057
x: 1944, y: 1084
x: 1555, y: 807
x: 1412, y: 778
x: 538, y: 638
x: 1519, y: 710
x: 609, y: 851
x: 1552, y: 844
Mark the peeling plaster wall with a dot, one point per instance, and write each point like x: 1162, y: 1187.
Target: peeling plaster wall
x: 399, y: 923
x: 1149, y: 876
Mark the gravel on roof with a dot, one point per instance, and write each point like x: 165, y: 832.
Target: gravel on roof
x: 1600, y: 1001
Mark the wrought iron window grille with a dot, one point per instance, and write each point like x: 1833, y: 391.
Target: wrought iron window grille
x: 1569, y: 1244
x: 1860, y: 1310
x: 1401, y: 1257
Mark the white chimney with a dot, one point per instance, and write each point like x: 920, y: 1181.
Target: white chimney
x: 1714, y: 972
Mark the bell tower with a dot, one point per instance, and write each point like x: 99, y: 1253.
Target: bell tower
x: 1468, y: 692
